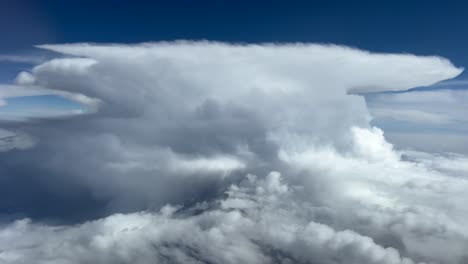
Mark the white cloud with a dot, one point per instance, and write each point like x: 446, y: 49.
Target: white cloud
x: 182, y: 123
x: 25, y: 78
x: 266, y: 231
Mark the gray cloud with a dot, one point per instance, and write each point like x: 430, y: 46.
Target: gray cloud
x: 184, y: 123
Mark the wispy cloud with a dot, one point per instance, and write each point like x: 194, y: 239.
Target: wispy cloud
x: 441, y: 111
x: 29, y: 59
x: 450, y: 83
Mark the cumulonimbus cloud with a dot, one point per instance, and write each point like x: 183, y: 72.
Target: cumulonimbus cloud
x: 264, y: 154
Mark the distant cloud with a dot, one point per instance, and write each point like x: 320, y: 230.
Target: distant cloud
x: 11, y: 91
x: 204, y: 152
x: 441, y: 112
x: 28, y: 94
x: 459, y: 82
x: 412, y: 115
x: 430, y: 141
x: 438, y: 106
x: 11, y: 140
x: 25, y: 78
x: 22, y: 59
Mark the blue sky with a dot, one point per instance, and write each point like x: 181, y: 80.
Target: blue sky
x: 417, y: 27
x: 421, y: 27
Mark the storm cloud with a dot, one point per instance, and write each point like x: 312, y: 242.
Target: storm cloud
x: 205, y: 152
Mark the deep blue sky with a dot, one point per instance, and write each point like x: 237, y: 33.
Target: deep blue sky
x: 421, y: 27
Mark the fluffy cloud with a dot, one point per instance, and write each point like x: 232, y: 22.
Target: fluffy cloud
x: 190, y: 124
x: 257, y: 223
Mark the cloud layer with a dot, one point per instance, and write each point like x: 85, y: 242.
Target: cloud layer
x: 264, y: 153
x: 434, y: 121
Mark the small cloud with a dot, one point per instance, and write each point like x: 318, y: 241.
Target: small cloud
x: 25, y: 78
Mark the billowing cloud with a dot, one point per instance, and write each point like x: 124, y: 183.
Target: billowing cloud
x: 255, y: 224
x: 200, y: 152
